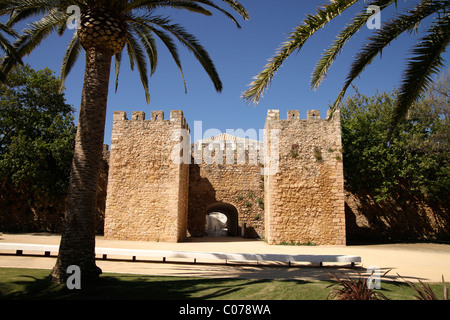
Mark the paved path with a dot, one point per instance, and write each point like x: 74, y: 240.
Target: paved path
x: 427, y: 262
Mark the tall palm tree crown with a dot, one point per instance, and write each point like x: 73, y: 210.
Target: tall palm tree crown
x: 107, y: 28
x: 426, y: 59
x: 133, y: 23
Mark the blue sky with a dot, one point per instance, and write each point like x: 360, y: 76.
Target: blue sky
x: 239, y: 54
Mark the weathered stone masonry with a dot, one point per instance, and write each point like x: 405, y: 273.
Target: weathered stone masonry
x: 147, y: 193
x: 299, y: 199
x: 233, y: 185
x: 304, y: 195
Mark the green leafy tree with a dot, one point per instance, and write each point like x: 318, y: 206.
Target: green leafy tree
x: 107, y: 29
x: 37, y: 135
x: 415, y: 162
x: 425, y: 62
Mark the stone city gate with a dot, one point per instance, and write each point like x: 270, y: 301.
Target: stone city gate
x: 288, y: 188
x: 226, y: 175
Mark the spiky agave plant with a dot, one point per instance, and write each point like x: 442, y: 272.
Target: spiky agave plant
x: 107, y: 29
x: 425, y: 62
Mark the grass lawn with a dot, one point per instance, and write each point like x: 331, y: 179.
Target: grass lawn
x: 34, y: 284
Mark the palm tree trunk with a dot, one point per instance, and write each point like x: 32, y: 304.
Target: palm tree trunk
x: 78, y: 238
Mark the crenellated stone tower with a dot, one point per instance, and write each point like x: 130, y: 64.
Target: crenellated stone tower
x: 304, y: 184
x: 147, y: 197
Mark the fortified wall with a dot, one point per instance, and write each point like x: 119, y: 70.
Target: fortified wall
x: 288, y: 189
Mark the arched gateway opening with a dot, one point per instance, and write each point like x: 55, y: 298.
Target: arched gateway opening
x: 221, y: 220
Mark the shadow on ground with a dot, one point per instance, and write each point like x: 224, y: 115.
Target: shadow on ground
x: 33, y: 284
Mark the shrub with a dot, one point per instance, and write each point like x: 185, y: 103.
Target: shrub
x: 353, y: 289
x: 424, y: 291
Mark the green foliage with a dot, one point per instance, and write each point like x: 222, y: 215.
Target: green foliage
x: 292, y: 243
x: 260, y: 203
x: 317, y: 154
x: 143, y: 28
x: 36, y: 134
x: 27, y: 284
x: 424, y: 291
x: 353, y: 289
x: 426, y: 60
x: 294, y: 151
x: 296, y: 39
x: 415, y: 161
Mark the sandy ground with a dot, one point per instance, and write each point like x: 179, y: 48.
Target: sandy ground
x: 427, y: 262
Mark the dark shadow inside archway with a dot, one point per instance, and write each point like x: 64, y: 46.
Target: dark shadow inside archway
x: 221, y: 220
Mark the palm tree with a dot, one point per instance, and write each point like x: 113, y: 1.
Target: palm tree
x: 426, y: 59
x: 107, y: 28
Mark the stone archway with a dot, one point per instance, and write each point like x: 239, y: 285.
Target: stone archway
x: 221, y: 220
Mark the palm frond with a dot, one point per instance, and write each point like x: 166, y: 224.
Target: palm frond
x: 70, y: 57
x: 137, y: 57
x: 329, y: 56
x: 192, y: 44
x: 152, y: 5
x: 149, y: 43
x: 236, y: 6
x: 140, y: 36
x: 24, y: 9
x: 6, y: 45
x: 384, y: 36
x: 186, y: 39
x: 295, y: 41
x: 170, y: 45
x: 117, y: 62
x: 33, y: 36
x: 426, y: 61
x: 39, y: 30
x: 8, y: 30
x: 192, y: 6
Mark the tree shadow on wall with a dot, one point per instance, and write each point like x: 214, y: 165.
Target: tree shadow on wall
x: 201, y: 195
x: 409, y: 220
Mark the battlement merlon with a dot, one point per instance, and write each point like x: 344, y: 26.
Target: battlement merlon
x: 312, y: 114
x: 177, y: 117
x: 119, y: 116
x: 293, y: 114
x: 274, y: 114
x: 138, y: 115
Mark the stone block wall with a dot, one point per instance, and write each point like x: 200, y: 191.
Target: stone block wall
x: 147, y: 192
x: 304, y: 184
